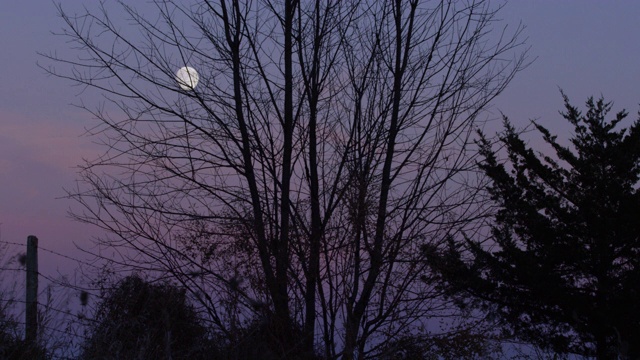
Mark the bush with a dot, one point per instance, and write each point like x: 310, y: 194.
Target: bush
x: 138, y: 319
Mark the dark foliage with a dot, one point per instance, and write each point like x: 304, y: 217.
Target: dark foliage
x: 561, y: 267
x: 465, y: 344
x: 141, y: 320
x: 12, y: 347
x: 261, y: 339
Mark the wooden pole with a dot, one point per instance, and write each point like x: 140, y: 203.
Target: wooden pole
x: 31, y: 323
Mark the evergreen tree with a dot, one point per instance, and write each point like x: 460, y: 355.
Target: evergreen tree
x: 561, y: 265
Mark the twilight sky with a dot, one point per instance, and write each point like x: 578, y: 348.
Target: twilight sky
x: 585, y: 47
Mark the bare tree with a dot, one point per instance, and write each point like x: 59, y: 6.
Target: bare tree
x: 324, y: 142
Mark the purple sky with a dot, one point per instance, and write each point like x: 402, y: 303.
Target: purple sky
x: 584, y: 47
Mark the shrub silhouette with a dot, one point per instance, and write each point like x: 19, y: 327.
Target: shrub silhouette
x: 141, y: 320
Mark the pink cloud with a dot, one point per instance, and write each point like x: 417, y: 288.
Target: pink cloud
x: 52, y: 142
x: 37, y: 160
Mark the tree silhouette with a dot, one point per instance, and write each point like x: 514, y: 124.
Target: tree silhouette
x: 323, y: 143
x: 140, y: 320
x: 561, y: 266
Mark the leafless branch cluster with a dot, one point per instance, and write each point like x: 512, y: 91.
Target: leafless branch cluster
x: 323, y: 144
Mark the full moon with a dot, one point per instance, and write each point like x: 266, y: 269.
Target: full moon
x: 187, y: 78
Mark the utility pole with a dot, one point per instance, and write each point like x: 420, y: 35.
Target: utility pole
x: 31, y: 323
